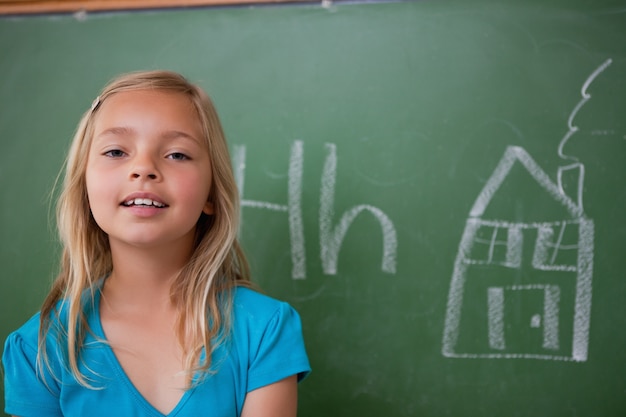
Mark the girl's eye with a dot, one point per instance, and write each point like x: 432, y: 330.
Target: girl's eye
x: 178, y: 156
x: 114, y: 153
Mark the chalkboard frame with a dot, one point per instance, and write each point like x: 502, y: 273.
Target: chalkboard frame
x: 12, y: 7
x: 342, y: 115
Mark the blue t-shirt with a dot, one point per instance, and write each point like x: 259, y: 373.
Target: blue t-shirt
x: 266, y: 346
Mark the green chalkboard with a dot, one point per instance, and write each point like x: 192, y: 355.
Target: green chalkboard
x: 438, y: 187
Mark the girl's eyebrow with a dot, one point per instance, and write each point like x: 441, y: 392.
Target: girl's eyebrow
x: 177, y: 134
x: 116, y: 131
x: 128, y: 131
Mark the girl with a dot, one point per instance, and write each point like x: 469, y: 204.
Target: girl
x: 152, y: 313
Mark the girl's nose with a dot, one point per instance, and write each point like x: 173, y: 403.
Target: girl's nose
x: 144, y: 168
x: 151, y: 176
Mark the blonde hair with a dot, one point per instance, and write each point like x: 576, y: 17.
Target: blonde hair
x: 201, y: 291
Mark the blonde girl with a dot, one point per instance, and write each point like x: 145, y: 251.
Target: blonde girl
x: 152, y: 313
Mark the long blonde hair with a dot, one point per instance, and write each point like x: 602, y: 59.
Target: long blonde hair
x: 201, y: 291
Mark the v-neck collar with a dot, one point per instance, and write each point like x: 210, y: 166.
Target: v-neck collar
x: 139, y: 399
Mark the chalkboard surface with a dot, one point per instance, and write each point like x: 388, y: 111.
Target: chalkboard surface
x: 438, y: 187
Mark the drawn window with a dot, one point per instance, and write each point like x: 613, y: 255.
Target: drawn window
x: 556, y: 248
x: 497, y: 244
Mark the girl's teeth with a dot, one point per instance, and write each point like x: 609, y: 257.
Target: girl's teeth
x: 144, y: 202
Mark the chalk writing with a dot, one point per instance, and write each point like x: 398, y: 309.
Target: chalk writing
x: 293, y: 206
x: 331, y: 237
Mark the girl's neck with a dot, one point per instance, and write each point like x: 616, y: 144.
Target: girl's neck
x: 143, y: 277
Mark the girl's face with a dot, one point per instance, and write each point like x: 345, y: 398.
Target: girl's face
x: 148, y: 170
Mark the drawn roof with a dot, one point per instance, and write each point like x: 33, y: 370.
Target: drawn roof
x: 517, y: 154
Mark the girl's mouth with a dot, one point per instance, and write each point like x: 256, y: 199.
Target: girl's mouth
x: 143, y: 202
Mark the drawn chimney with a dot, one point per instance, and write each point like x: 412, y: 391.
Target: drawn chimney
x: 571, y: 179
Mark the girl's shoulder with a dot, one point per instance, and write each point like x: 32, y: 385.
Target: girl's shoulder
x: 245, y: 296
x: 26, y: 335
x: 251, y: 304
x: 56, y: 320
x: 258, y: 318
x: 268, y: 338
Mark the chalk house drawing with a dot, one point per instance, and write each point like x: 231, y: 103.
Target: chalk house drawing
x: 499, y: 245
x: 505, y: 238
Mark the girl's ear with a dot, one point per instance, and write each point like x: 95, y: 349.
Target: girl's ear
x: 208, y: 208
